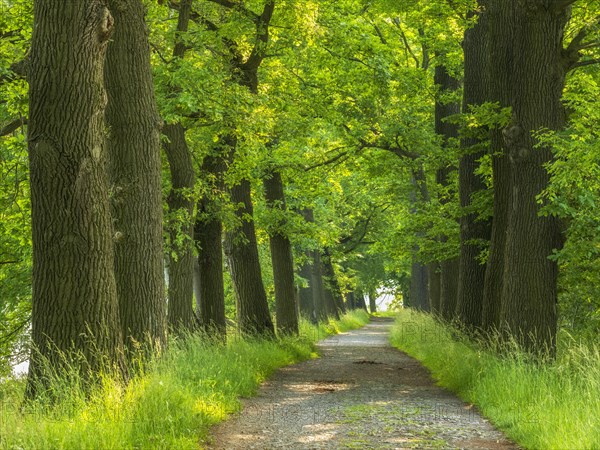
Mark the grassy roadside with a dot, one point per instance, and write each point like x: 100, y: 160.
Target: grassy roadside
x: 551, y: 406
x: 171, y: 405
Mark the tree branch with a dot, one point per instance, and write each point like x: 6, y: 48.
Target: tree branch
x: 425, y: 50
x: 407, y: 46
x: 327, y: 162
x: 239, y: 6
x: 13, y: 126
x: 262, y: 38
x: 576, y: 43
x: 587, y: 62
x: 16, y: 71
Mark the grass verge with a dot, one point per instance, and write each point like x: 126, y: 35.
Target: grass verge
x: 172, y: 404
x: 540, y: 406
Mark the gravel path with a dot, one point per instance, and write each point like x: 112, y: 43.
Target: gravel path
x: 361, y: 393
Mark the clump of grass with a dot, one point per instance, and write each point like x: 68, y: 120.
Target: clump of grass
x: 550, y: 405
x: 171, y: 403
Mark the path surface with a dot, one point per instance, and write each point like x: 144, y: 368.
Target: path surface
x: 361, y: 393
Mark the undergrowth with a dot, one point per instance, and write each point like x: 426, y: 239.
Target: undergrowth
x: 551, y: 405
x: 170, y: 404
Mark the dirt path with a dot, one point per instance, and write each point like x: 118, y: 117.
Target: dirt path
x: 362, y: 393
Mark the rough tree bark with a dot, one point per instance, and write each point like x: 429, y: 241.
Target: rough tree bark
x: 331, y: 282
x: 135, y: 175
x: 74, y: 297
x: 501, y: 28
x: 449, y: 288
x: 419, y: 279
x: 208, y: 231
x: 181, y: 229
x: 443, y: 283
x: 474, y: 233
x: 281, y: 257
x: 180, y: 313
x: 315, y: 278
x: 529, y: 291
x: 318, y: 289
x: 241, y: 249
x: 434, y: 269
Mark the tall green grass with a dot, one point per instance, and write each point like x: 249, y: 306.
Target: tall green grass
x: 552, y: 405
x: 170, y: 404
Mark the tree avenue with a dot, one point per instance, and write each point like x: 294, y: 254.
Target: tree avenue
x: 177, y: 167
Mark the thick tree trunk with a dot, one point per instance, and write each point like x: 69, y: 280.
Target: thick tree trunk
x: 529, y: 293
x: 419, y: 284
x: 180, y: 313
x: 449, y: 288
x: 474, y: 233
x: 442, y: 279
x: 331, y: 282
x: 208, y: 235
x: 360, y: 300
x: 419, y: 279
x: 281, y: 257
x: 211, y: 293
x: 316, y: 283
x: 241, y: 249
x: 501, y: 26
x: 74, y: 296
x: 351, y: 301
x: 372, y: 302
x: 135, y: 174
x: 331, y: 308
x: 318, y: 289
x: 181, y: 229
x: 434, y: 270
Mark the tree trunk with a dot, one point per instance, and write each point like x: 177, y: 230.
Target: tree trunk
x: 74, y: 296
x: 181, y: 229
x: 360, y: 300
x: 331, y: 282
x: 316, y: 277
x: 445, y: 281
x: 501, y: 26
x: 419, y: 280
x: 419, y: 283
x: 449, y: 288
x: 181, y: 205
x: 529, y: 293
x: 211, y: 297
x: 321, y: 310
x: 281, y: 257
x: 434, y: 270
x: 372, y: 302
x: 329, y: 302
x: 135, y: 174
x: 208, y: 237
x: 241, y: 249
x: 351, y: 301
x: 474, y: 233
